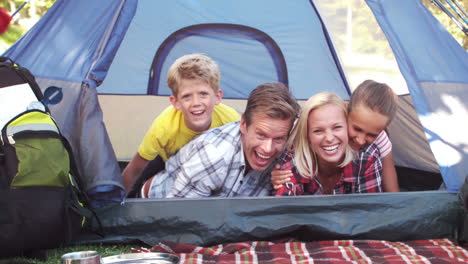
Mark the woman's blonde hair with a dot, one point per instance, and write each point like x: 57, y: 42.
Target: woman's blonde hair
x: 304, y: 158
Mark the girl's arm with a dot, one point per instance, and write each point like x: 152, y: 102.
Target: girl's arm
x: 390, y: 179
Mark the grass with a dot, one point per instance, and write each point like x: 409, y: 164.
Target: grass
x: 53, y: 255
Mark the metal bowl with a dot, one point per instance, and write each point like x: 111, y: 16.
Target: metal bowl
x: 81, y: 257
x: 140, y: 258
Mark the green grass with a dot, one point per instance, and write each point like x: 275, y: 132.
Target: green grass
x: 53, y: 255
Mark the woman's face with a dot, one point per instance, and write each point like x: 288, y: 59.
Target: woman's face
x: 328, y: 134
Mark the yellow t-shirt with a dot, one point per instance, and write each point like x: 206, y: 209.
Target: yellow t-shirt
x: 168, y: 133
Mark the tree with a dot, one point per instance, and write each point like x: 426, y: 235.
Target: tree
x: 23, y: 20
x: 446, y: 21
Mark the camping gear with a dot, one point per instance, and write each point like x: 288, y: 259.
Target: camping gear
x: 210, y: 221
x: 81, y: 257
x: 111, y: 57
x: 39, y: 184
x: 159, y: 258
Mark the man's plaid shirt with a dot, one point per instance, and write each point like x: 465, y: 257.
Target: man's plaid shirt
x: 212, y: 164
x: 362, y: 175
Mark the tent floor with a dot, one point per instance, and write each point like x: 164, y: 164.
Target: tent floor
x: 418, y: 180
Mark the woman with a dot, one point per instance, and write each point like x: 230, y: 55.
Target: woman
x: 322, y: 159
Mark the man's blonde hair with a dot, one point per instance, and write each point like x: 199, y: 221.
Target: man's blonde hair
x: 193, y: 67
x: 376, y: 96
x: 305, y: 159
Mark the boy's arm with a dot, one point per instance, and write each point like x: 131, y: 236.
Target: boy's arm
x: 390, y: 179
x: 152, y: 145
x: 133, y: 171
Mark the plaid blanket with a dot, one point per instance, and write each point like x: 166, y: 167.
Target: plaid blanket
x: 321, y: 252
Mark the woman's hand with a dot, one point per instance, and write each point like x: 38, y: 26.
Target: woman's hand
x: 280, y: 177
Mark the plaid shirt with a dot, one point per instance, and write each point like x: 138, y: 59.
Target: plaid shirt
x: 363, y: 175
x: 212, y: 164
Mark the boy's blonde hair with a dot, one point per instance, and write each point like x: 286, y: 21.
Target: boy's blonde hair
x: 376, y: 96
x: 193, y: 67
x: 304, y: 158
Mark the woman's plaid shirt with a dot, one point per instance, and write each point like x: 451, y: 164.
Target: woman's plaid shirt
x: 362, y: 175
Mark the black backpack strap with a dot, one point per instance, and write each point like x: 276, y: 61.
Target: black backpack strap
x: 6, y: 59
x: 86, y: 212
x: 24, y: 74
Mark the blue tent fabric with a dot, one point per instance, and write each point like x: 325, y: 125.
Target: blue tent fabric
x: 112, y: 43
x: 58, y: 40
x: 425, y: 50
x: 255, y: 39
x: 108, y: 47
x: 426, y: 53
x: 301, y: 47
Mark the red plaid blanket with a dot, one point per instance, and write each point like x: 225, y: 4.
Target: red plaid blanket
x: 338, y: 251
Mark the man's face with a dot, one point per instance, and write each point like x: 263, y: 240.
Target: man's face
x: 263, y: 140
x: 196, y: 99
x: 364, y: 125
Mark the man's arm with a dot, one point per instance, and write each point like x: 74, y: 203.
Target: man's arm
x: 390, y: 179
x: 133, y: 171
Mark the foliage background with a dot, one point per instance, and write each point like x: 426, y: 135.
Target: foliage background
x: 23, y: 20
x: 447, y: 22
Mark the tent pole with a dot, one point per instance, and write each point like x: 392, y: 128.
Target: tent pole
x: 19, y: 8
x: 448, y: 13
x: 458, y: 10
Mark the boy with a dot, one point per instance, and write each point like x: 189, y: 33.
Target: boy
x: 371, y: 108
x: 196, y: 107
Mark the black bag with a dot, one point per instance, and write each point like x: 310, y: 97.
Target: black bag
x: 41, y: 202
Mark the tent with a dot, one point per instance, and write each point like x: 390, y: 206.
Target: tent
x: 110, y: 57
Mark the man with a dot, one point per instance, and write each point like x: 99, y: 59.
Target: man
x: 230, y: 160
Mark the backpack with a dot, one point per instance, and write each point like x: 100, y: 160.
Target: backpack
x: 41, y: 202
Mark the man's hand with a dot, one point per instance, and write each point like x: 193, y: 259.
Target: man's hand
x: 280, y: 177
